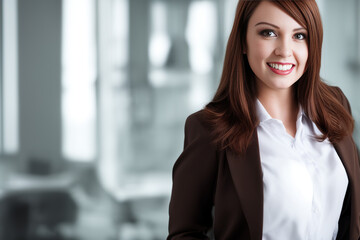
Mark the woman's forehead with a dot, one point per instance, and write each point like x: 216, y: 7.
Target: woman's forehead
x: 269, y: 12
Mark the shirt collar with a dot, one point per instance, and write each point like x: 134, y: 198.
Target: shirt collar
x: 263, y: 115
x: 261, y: 112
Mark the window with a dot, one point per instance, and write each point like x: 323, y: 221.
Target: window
x: 9, y: 78
x: 78, y: 80
x: 1, y: 71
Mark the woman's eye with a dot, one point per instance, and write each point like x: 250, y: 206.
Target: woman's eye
x: 268, y: 33
x: 300, y: 36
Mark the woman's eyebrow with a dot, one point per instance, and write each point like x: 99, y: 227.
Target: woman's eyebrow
x: 274, y: 26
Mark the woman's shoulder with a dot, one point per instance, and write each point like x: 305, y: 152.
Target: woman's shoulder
x: 198, y: 127
x: 198, y: 117
x: 336, y: 91
x: 340, y: 96
x: 198, y: 122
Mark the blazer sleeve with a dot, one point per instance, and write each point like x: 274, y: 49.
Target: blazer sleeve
x: 194, y: 180
x: 344, y: 221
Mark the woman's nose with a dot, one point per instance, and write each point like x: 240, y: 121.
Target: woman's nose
x: 283, y: 49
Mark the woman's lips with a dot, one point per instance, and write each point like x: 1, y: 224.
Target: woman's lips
x: 281, y: 68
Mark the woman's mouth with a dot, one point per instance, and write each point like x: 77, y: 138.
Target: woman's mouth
x: 281, y: 68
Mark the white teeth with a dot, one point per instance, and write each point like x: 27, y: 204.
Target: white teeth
x: 281, y: 67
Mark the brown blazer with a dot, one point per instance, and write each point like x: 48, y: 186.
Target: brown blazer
x: 219, y: 194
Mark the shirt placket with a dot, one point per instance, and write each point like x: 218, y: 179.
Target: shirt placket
x: 312, y: 167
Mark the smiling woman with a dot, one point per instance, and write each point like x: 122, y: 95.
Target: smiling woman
x: 272, y: 155
x: 277, y: 53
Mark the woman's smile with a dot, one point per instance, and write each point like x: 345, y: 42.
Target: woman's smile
x: 281, y: 68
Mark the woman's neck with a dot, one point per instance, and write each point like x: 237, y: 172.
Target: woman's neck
x: 283, y: 106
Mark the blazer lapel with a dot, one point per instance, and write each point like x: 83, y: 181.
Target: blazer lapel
x: 347, y: 154
x: 246, y: 173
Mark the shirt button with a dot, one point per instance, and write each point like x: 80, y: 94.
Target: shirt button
x: 315, y: 210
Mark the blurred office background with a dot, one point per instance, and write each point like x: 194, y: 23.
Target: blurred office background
x: 94, y: 95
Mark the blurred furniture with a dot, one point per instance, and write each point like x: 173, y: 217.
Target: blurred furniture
x: 35, y: 207
x: 141, y: 206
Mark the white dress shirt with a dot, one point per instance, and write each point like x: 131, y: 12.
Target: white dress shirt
x: 304, y: 181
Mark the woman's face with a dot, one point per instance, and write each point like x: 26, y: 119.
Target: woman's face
x: 276, y: 48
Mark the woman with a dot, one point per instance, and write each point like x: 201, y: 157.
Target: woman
x: 271, y: 156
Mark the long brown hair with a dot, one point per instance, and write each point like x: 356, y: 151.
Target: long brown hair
x: 232, y: 111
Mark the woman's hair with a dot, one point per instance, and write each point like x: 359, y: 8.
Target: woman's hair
x: 232, y: 111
